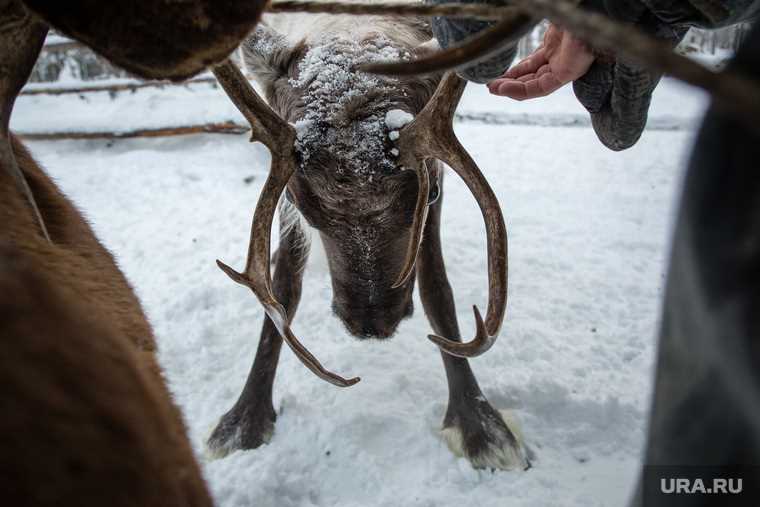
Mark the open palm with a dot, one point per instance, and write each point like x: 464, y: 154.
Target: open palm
x: 561, y: 58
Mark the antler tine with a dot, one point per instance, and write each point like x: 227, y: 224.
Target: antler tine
x: 412, y: 160
x: 266, y: 125
x: 433, y: 130
x: 454, y: 154
x: 439, y: 110
x: 280, y: 138
x: 503, y: 33
x: 411, y: 138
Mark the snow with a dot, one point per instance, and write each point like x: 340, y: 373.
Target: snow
x: 143, y: 108
x: 715, y: 61
x: 395, y: 119
x: 588, y: 237
x: 53, y: 38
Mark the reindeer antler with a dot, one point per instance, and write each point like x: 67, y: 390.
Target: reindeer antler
x: 279, y: 137
x: 515, y: 25
x: 431, y: 135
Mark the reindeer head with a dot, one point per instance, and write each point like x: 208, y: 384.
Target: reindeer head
x: 341, y: 157
x: 349, y: 183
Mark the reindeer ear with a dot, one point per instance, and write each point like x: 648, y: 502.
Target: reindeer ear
x: 427, y: 48
x: 421, y: 88
x: 268, y: 55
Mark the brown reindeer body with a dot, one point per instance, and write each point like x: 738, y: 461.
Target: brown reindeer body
x: 86, y: 416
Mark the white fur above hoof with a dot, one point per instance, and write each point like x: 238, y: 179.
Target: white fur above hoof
x: 226, y: 439
x: 492, y: 445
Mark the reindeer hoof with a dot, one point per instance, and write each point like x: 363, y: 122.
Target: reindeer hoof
x: 240, y: 430
x: 488, y: 438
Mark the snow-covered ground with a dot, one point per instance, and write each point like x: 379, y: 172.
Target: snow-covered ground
x: 588, y: 241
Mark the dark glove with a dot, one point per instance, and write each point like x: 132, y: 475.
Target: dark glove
x: 452, y: 31
x: 617, y: 93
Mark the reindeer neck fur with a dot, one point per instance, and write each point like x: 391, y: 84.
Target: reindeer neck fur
x: 74, y: 258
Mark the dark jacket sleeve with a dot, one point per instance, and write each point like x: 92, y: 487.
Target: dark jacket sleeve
x: 703, y: 13
x: 453, y: 31
x: 617, y: 93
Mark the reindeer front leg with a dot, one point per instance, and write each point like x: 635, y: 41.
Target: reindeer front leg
x: 471, y: 427
x: 250, y: 422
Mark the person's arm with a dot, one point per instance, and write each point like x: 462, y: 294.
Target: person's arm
x: 616, y: 93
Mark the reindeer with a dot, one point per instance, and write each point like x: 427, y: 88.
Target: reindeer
x: 87, y: 418
x: 374, y: 195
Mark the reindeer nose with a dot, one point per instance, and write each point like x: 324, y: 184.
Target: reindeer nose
x: 373, y: 330
x: 372, y: 322
x: 368, y: 326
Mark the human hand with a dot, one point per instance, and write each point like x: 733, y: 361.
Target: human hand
x: 561, y: 58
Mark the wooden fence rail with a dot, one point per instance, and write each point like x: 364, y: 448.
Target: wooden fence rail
x: 228, y: 127
x: 112, y: 88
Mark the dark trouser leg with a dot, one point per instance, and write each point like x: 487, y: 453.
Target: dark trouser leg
x: 706, y: 406
x: 471, y: 426
x: 250, y: 422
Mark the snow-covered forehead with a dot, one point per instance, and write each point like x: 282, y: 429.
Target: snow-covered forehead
x: 344, y: 109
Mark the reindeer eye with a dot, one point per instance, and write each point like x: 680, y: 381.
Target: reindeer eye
x: 434, y: 193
